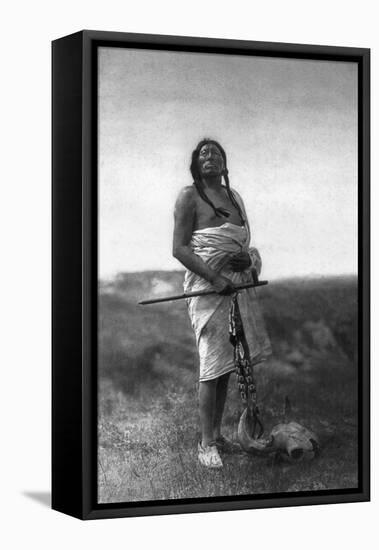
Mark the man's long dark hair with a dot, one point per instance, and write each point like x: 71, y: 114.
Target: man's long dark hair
x: 220, y: 212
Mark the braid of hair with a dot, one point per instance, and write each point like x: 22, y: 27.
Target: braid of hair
x: 232, y: 196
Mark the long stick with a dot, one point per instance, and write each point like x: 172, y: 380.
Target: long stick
x: 199, y: 293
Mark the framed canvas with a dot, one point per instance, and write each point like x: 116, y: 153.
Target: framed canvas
x: 210, y: 274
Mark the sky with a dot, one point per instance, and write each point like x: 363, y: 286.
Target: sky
x: 289, y: 129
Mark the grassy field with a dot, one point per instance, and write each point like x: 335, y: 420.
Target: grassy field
x: 148, y: 418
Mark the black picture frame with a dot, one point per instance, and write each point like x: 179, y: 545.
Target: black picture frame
x: 74, y: 272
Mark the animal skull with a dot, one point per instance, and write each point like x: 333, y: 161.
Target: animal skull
x: 291, y: 440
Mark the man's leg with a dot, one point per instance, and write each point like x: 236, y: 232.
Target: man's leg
x: 221, y: 391
x: 207, y: 406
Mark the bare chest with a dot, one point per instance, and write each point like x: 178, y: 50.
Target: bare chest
x: 206, y: 217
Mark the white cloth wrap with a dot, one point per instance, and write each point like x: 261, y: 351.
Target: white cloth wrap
x: 210, y: 314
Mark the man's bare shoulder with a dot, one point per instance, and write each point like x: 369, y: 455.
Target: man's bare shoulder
x: 186, y: 197
x: 188, y: 192
x: 236, y: 194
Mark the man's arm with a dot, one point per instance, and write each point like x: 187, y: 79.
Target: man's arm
x: 185, y: 216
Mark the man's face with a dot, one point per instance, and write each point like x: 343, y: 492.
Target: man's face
x: 210, y: 160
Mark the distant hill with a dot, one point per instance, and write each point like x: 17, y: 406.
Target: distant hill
x: 141, y: 285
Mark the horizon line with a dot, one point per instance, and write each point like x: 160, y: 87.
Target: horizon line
x: 110, y: 278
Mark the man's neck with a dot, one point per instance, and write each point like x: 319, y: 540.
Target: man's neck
x: 212, y: 182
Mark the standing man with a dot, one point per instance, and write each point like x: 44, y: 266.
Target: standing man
x: 211, y: 239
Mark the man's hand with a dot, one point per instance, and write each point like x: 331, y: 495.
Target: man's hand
x: 223, y: 285
x: 240, y: 261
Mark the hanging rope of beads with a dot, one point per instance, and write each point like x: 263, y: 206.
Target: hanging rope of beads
x: 243, y: 367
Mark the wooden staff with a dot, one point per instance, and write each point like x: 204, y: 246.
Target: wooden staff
x: 199, y: 293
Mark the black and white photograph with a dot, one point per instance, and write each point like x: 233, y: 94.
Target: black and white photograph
x: 188, y: 335
x: 227, y: 222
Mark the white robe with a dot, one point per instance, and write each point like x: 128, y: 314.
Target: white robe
x: 210, y: 314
